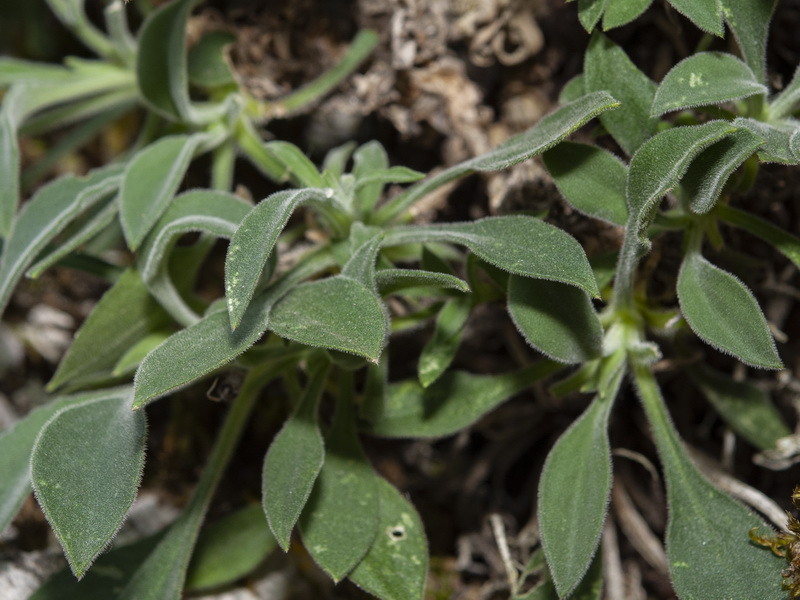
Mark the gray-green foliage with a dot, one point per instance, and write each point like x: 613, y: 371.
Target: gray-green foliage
x: 313, y: 278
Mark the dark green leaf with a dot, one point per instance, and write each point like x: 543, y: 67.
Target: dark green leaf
x: 452, y: 403
x: 783, y: 241
x: 252, y: 244
x: 230, y: 549
x: 706, y: 14
x: 556, y: 319
x: 704, y: 180
x: 749, y: 21
x: 778, y: 138
x: 621, y: 12
x: 9, y: 173
x: 589, y: 12
x: 86, y: 466
x: 128, y: 362
x: 439, y: 351
x: 293, y: 462
x: 705, y: 78
x: 572, y: 90
x: 396, y: 564
x: 607, y: 67
x: 591, y: 179
x: 574, y: 492
x: 340, y: 520
x: 723, y: 312
x: 746, y: 408
x: 518, y: 244
x: 207, y: 66
x: 124, y: 315
x: 390, y: 281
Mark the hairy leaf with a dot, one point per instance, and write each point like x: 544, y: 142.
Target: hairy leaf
x: 9, y: 172
x: 783, y: 241
x: 367, y: 159
x: 785, y: 103
x: 703, y: 13
x: 556, y: 319
x: 705, y: 78
x: 621, y: 12
x: 441, y: 348
x: 86, y: 466
x: 591, y: 179
x: 723, y: 312
x: 778, y: 138
x: 749, y: 21
x: 298, y: 168
x: 589, y: 12
x: 206, y: 65
x: 390, y: 281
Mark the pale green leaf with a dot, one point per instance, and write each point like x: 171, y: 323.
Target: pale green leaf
x: 13, y: 70
x: 550, y: 130
x: 706, y: 14
x: 778, y: 138
x: 705, y: 78
x: 574, y: 492
x: 151, y: 179
x: 556, y: 319
x: 206, y: 64
x: 441, y: 348
x: 708, y: 546
x: 396, y: 564
x: 340, y: 520
x: 389, y: 175
x: 9, y: 172
x: 367, y: 159
x: 252, y: 244
x: 621, y: 12
x: 785, y: 103
x: 86, y: 466
x: 298, y: 168
x: 123, y: 316
x: 723, y: 312
x: 746, y: 408
x: 749, y: 21
x: 293, y: 462
x: 607, y: 67
x: 133, y: 357
x: 591, y: 179
x: 360, y: 266
x: 45, y: 216
x: 335, y: 161
x: 230, y: 549
x: 452, y: 403
x: 783, y: 241
x: 518, y: 244
x: 707, y: 175
x: 390, y: 281
x: 589, y: 12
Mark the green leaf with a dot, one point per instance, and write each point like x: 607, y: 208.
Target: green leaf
x: 369, y: 158
x: 123, y: 316
x: 749, y: 21
x: 622, y: 12
x: 389, y: 175
x: 441, y: 348
x: 709, y: 172
x: 340, y: 520
x: 337, y: 313
x: 723, y: 312
x: 705, y: 78
x: 556, y: 319
x: 703, y: 13
x: 550, y: 130
x: 591, y: 179
x: 572, y: 90
x: 390, y: 281
x: 214, y: 212
x: 151, y: 179
x: 9, y: 172
x: 16, y: 445
x: 455, y: 401
x: 396, y: 564
x: 86, y: 466
x: 708, y: 546
x: 607, y: 67
x: 518, y: 244
x: 778, y: 138
x: 660, y: 163
x: 161, y: 60
x: 45, y: 216
x: 335, y: 161
x: 230, y: 549
x: 298, y: 168
x: 574, y: 492
x: 133, y: 357
x: 13, y: 70
x: 206, y: 66
x: 252, y: 244
x: 589, y: 12
x: 293, y: 462
x: 783, y: 241
x: 745, y: 407
x: 785, y: 103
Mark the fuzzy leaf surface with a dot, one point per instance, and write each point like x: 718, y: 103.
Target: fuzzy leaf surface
x: 86, y: 466
x: 723, y: 312
x: 621, y: 12
x: 252, y: 244
x: 556, y: 319
x: 778, y: 138
x: 705, y: 78
x: 298, y: 168
x: 788, y: 100
x: 607, y: 67
x: 706, y: 177
x: 124, y: 315
x: 390, y: 281
x: 455, y: 401
x: 441, y: 348
x: 518, y: 244
x: 369, y: 158
x: 783, y: 241
x: 293, y: 462
x: 206, y: 65
x: 574, y: 488
x: 706, y: 14
x: 708, y: 546
x: 150, y: 181
x: 9, y: 172
x: 396, y: 564
x: 589, y: 12
x: 340, y: 520
x: 591, y: 179
x: 45, y: 216
x: 749, y: 21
